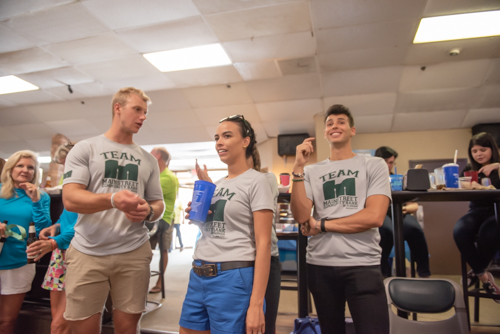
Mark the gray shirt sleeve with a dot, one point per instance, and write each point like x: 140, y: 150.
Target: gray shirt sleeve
x: 76, y: 168
x: 378, y: 178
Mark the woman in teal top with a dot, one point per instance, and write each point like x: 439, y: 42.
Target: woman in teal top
x: 21, y: 202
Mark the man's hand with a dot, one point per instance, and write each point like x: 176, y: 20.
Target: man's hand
x: 47, y: 232
x: 127, y: 201
x: 304, y: 152
x: 202, y: 173
x: 140, y: 213
x: 310, y: 227
x: 31, y: 191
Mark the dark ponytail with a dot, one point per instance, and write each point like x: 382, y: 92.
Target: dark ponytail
x: 256, y: 158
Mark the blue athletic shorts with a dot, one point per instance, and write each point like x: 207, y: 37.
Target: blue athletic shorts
x: 218, y: 303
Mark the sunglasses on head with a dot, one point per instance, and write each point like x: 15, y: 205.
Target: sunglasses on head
x: 246, y: 128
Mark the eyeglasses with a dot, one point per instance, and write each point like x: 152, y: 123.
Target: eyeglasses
x: 246, y: 127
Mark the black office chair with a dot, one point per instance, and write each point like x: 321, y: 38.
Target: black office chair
x: 424, y: 295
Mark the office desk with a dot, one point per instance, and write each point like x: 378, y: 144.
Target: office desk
x: 400, y: 197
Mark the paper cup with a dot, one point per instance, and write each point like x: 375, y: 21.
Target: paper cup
x: 202, y: 198
x: 451, y: 175
x: 285, y: 179
x: 396, y: 182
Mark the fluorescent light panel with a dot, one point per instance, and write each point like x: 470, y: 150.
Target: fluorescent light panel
x: 189, y: 58
x: 460, y: 26
x: 12, y: 84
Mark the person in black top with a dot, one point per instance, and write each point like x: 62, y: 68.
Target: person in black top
x: 480, y: 220
x: 412, y: 231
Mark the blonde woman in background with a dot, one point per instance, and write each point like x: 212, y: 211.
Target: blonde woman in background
x: 21, y: 202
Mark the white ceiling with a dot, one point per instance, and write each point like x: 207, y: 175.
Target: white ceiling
x: 291, y: 60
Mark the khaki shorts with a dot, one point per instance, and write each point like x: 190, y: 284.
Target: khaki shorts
x: 167, y: 237
x: 90, y: 278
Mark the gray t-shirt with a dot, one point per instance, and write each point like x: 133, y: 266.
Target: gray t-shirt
x: 105, y: 166
x: 340, y: 189
x: 271, y: 178
x: 228, y: 234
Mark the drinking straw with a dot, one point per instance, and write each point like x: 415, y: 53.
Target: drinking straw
x: 455, y: 158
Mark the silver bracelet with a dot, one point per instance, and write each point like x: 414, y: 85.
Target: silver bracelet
x: 112, y: 202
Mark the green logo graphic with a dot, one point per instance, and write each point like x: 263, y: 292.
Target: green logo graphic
x: 217, y: 209
x: 128, y: 172
x: 68, y: 174
x: 332, y: 190
x: 215, y: 224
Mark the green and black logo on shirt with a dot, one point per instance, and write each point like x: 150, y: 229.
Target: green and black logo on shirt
x: 215, y: 224
x: 122, y: 177
x: 340, y: 192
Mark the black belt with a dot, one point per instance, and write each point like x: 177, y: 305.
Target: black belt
x: 210, y: 269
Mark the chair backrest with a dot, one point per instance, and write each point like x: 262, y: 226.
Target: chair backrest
x: 423, y: 295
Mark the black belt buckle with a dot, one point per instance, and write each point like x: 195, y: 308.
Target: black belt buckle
x: 207, y: 269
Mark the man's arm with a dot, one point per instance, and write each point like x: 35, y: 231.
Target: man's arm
x: 371, y: 216
x: 301, y: 205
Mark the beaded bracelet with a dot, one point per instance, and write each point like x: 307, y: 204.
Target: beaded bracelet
x: 54, y: 244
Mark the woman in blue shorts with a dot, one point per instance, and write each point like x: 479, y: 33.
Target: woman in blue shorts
x: 232, y: 258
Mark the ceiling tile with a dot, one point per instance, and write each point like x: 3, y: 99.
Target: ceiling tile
x: 102, y: 123
x: 291, y: 87
x: 386, y: 34
x: 493, y: 75
x: 91, y: 89
x: 30, y: 60
x: 265, y: 21
x: 154, y: 81
x: 182, y: 135
x: 434, y: 53
x: 6, y: 134
x: 57, y: 24
x: 180, y: 34
x: 258, y: 70
x: 91, y: 49
x: 481, y: 116
x: 173, y: 119
x: 12, y: 147
x: 361, y: 59
x: 283, y: 111
x: 12, y: 41
x: 207, y: 7
x: 426, y: 121
x: 42, y: 144
x: 33, y: 131
x: 212, y: 116
x: 168, y: 100
x: 446, y: 75
x: 488, y: 97
x: 11, y: 8
x: 260, y: 132
x: 57, y: 77
x: 338, y: 13
x: 17, y: 116
x: 35, y: 96
x: 362, y: 105
x: 273, y: 129
x: 4, y: 103
x: 368, y: 81
x: 204, y: 76
x: 126, y: 67
x: 373, y: 124
x: 74, y: 127
x: 298, y: 66
x: 287, y: 46
x: 218, y: 95
x: 50, y: 112
x: 63, y: 92
x: 449, y: 7
x: 118, y: 14
x: 436, y: 100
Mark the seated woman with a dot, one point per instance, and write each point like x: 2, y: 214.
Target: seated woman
x: 232, y: 258
x: 412, y: 231
x: 21, y: 202
x: 480, y: 222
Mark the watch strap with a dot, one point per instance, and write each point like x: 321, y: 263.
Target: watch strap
x: 323, y: 228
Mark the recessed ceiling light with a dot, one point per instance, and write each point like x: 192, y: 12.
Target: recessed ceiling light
x: 460, y: 26
x: 12, y: 84
x: 189, y: 58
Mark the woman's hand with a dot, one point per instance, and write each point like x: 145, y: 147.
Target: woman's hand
x: 310, y: 227
x: 255, y: 321
x: 188, y: 209
x: 50, y: 231
x: 39, y: 248
x: 3, y: 228
x: 31, y: 191
x: 486, y: 170
x: 202, y: 173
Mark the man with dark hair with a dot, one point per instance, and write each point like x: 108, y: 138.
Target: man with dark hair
x: 412, y: 231
x: 350, y: 194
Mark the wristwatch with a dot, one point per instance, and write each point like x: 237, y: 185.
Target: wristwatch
x: 149, y: 217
